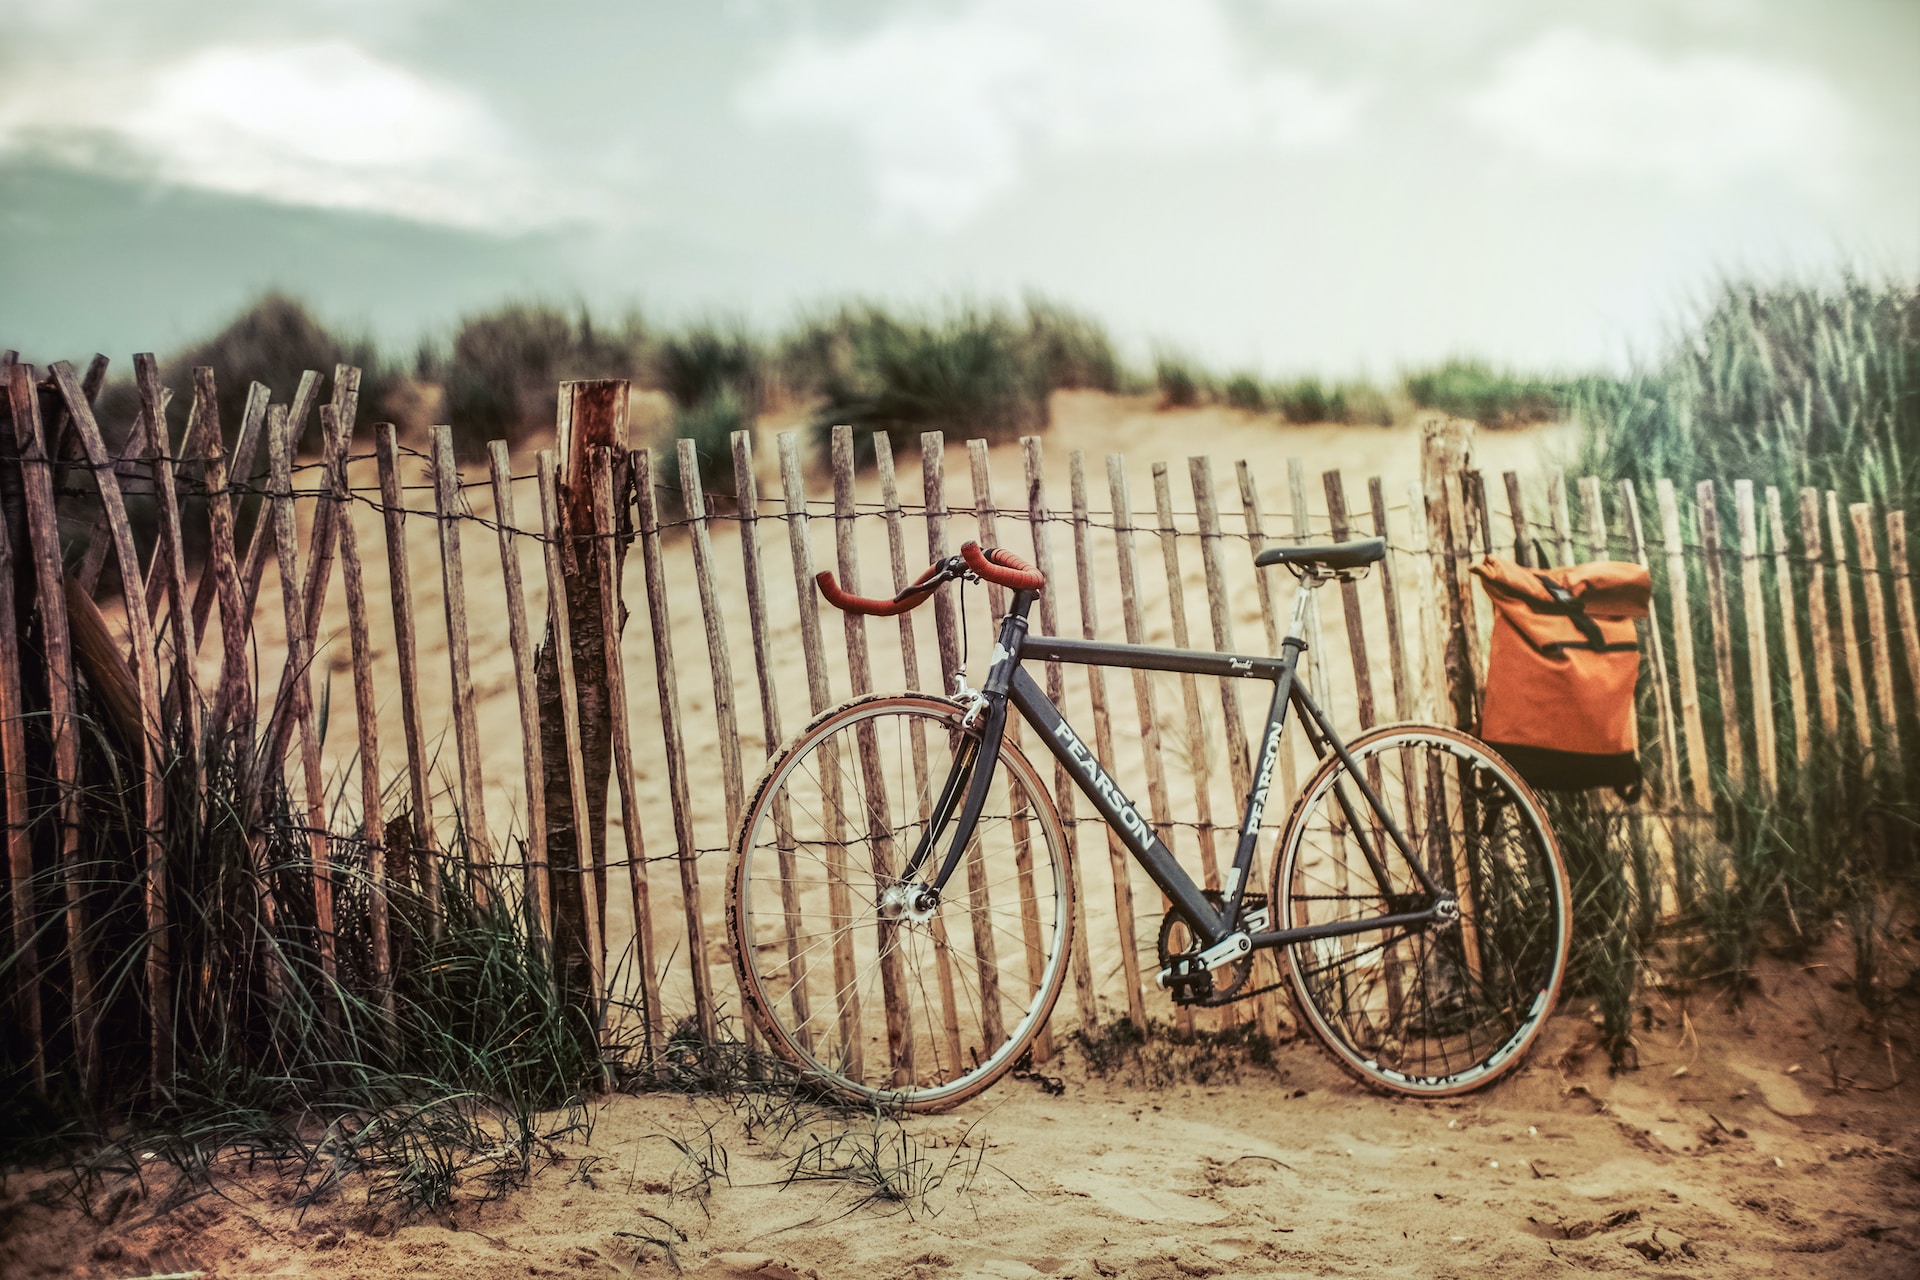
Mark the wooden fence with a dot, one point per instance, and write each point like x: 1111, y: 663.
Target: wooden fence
x: 493, y: 755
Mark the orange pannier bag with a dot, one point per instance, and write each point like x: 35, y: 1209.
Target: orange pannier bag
x: 1561, y: 671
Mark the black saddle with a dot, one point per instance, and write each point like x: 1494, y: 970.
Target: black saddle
x: 1338, y: 557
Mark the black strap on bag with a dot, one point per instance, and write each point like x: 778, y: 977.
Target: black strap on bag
x: 1567, y: 605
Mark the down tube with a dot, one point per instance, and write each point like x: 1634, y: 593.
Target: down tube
x: 1120, y: 814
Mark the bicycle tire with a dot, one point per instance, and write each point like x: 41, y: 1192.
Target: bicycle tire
x: 914, y: 1014
x: 1440, y: 1009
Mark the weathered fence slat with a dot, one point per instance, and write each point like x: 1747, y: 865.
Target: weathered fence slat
x: 1594, y: 511
x: 298, y: 687
x: 933, y: 485
x: 1863, y: 538
x: 1159, y: 801
x: 1198, y: 761
x: 1683, y: 659
x: 1517, y: 513
x: 1255, y: 521
x: 220, y: 495
x: 1313, y: 668
x: 1446, y: 449
x: 451, y: 510
x: 747, y: 501
x: 604, y: 523
x: 893, y: 992
x: 1789, y: 628
x: 1722, y: 623
x: 221, y: 576
x: 839, y: 900
x: 1390, y: 599
x: 922, y: 779
x: 719, y: 661
x: 56, y: 643
x: 13, y: 759
x: 526, y: 687
x: 1021, y: 824
x: 1558, y: 517
x: 1901, y: 567
x: 366, y: 708
x: 560, y: 640
x: 99, y: 537
x: 1849, y: 636
x: 1663, y: 697
x: 1081, y: 959
x: 1759, y: 666
x: 1118, y: 856
x: 1239, y: 762
x: 170, y: 557
x: 406, y: 645
x: 1824, y: 678
x: 1336, y: 491
x: 159, y: 963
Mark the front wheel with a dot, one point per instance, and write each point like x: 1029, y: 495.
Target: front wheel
x: 1449, y: 1005
x: 858, y: 979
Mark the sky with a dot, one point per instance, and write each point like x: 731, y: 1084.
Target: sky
x: 1339, y: 186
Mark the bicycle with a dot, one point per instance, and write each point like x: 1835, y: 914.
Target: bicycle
x: 1425, y: 905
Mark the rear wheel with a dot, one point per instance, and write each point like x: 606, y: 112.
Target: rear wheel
x: 856, y: 978
x: 1447, y: 1006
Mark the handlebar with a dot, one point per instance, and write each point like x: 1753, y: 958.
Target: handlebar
x: 992, y: 564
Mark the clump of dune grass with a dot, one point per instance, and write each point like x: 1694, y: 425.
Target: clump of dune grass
x: 973, y: 372
x: 1492, y: 397
x: 1788, y: 384
x: 501, y: 368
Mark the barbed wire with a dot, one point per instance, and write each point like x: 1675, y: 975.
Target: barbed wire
x: 1544, y: 534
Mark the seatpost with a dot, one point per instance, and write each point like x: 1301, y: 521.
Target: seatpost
x: 1302, y: 601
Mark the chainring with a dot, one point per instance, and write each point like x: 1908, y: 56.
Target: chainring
x: 1228, y: 979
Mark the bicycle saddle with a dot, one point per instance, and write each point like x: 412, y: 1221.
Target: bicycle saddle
x: 1333, y: 558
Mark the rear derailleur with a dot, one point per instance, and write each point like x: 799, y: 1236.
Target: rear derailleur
x: 1186, y: 978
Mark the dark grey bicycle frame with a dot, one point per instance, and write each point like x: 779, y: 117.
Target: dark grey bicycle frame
x: 1008, y: 684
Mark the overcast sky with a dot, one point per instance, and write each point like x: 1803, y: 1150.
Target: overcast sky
x: 1336, y: 185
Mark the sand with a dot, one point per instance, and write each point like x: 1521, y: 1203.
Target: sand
x: 1739, y: 1165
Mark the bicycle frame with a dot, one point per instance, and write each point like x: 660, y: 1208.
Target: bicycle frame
x: 1008, y: 686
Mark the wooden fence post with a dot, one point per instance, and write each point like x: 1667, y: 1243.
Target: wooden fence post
x: 840, y: 905
x: 1817, y: 623
x: 605, y: 512
x: 1199, y: 764
x: 1717, y: 614
x: 1690, y: 718
x: 1064, y: 797
x: 1789, y: 628
x: 1390, y: 598
x: 579, y: 940
x: 1754, y: 601
x: 1336, y: 491
x: 13, y: 760
x: 1849, y: 637
x: 406, y: 645
x: 520, y: 638
x: 366, y: 709
x: 893, y: 983
x: 451, y: 507
x: 591, y: 415
x: 1901, y: 568
x: 1862, y: 515
x: 1446, y: 449
x: 1663, y: 697
x: 63, y: 725
x: 1118, y: 856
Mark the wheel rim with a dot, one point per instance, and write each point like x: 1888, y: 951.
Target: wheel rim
x: 856, y: 982
x: 1433, y: 1009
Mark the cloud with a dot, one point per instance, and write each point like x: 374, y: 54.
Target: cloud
x: 950, y: 108
x: 1701, y: 120
x: 321, y: 124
